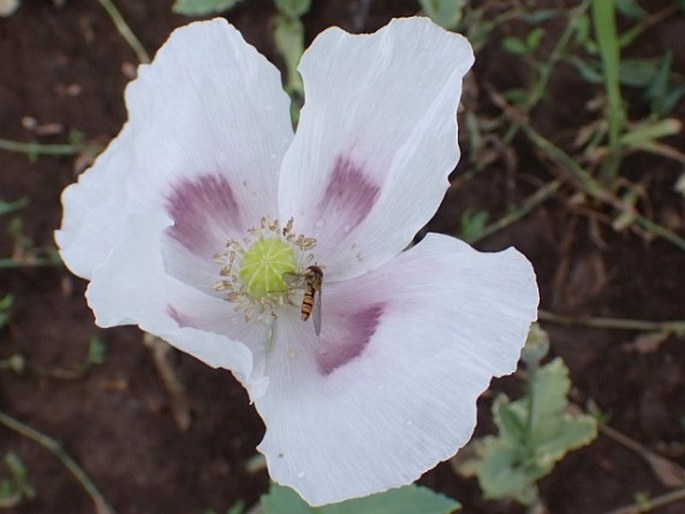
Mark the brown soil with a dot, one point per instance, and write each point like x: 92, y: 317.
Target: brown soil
x: 66, y: 65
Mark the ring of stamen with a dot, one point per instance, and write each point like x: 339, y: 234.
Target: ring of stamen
x: 253, y: 270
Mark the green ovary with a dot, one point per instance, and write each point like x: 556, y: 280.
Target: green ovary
x: 263, y: 266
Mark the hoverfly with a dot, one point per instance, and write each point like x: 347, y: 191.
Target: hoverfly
x: 310, y: 281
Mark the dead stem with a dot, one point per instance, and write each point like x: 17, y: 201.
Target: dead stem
x: 631, y: 34
x: 526, y: 207
x: 592, y: 187
x: 677, y: 326
x: 668, y: 472
x: 125, y: 31
x: 38, y: 148
x: 161, y: 351
x: 54, y: 446
x: 651, y: 503
x: 29, y: 262
x: 581, y: 178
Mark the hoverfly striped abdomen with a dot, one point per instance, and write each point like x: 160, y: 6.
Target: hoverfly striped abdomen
x: 311, y: 280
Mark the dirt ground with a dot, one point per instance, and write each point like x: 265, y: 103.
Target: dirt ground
x: 66, y: 65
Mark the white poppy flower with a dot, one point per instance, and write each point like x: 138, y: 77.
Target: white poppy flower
x: 202, y: 169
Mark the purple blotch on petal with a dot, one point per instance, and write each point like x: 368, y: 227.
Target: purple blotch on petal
x: 349, y: 194
x: 345, y: 346
x: 201, y: 209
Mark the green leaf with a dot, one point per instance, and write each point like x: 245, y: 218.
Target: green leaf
x: 538, y: 16
x: 238, y: 508
x: 639, y: 72
x: 550, y: 386
x: 283, y: 500
x: 411, y: 499
x: 534, y: 433
x: 646, y: 133
x: 405, y: 500
x: 582, y: 35
x: 661, y: 93
x: 446, y: 13
x: 202, y: 7
x: 15, y: 488
x: 533, y: 39
x: 510, y: 420
x: 570, y: 433
x: 7, y: 207
x: 16, y: 466
x: 553, y: 432
x: 630, y: 9
x: 660, y: 79
x: 604, y: 21
x: 6, y: 303
x: 501, y: 475
x: 668, y: 102
x: 293, y: 8
x: 537, y: 346
x: 516, y: 95
x: 514, y: 45
x: 96, y: 351
x: 472, y: 224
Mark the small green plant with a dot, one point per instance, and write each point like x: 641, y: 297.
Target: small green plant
x: 22, y: 242
x: 8, y: 207
x: 25, y: 252
x: 202, y: 7
x: 472, y: 223
x: 405, y: 500
x: 603, y: 64
x: 288, y: 33
x: 238, y: 508
x: 524, y: 47
x: 446, y: 13
x: 534, y: 432
x: 96, y: 352
x: 6, y: 303
x: 289, y: 38
x: 15, y: 489
x: 95, y: 357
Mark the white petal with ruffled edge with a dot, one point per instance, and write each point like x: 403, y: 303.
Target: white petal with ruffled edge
x: 94, y: 209
x: 208, y: 126
x: 390, y: 387
x: 132, y: 287
x: 376, y: 140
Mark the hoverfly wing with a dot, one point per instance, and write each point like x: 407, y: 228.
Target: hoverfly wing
x: 311, y: 281
x: 316, y: 315
x: 291, y: 278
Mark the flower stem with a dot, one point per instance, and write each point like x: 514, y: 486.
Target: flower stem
x: 532, y: 370
x: 101, y: 505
